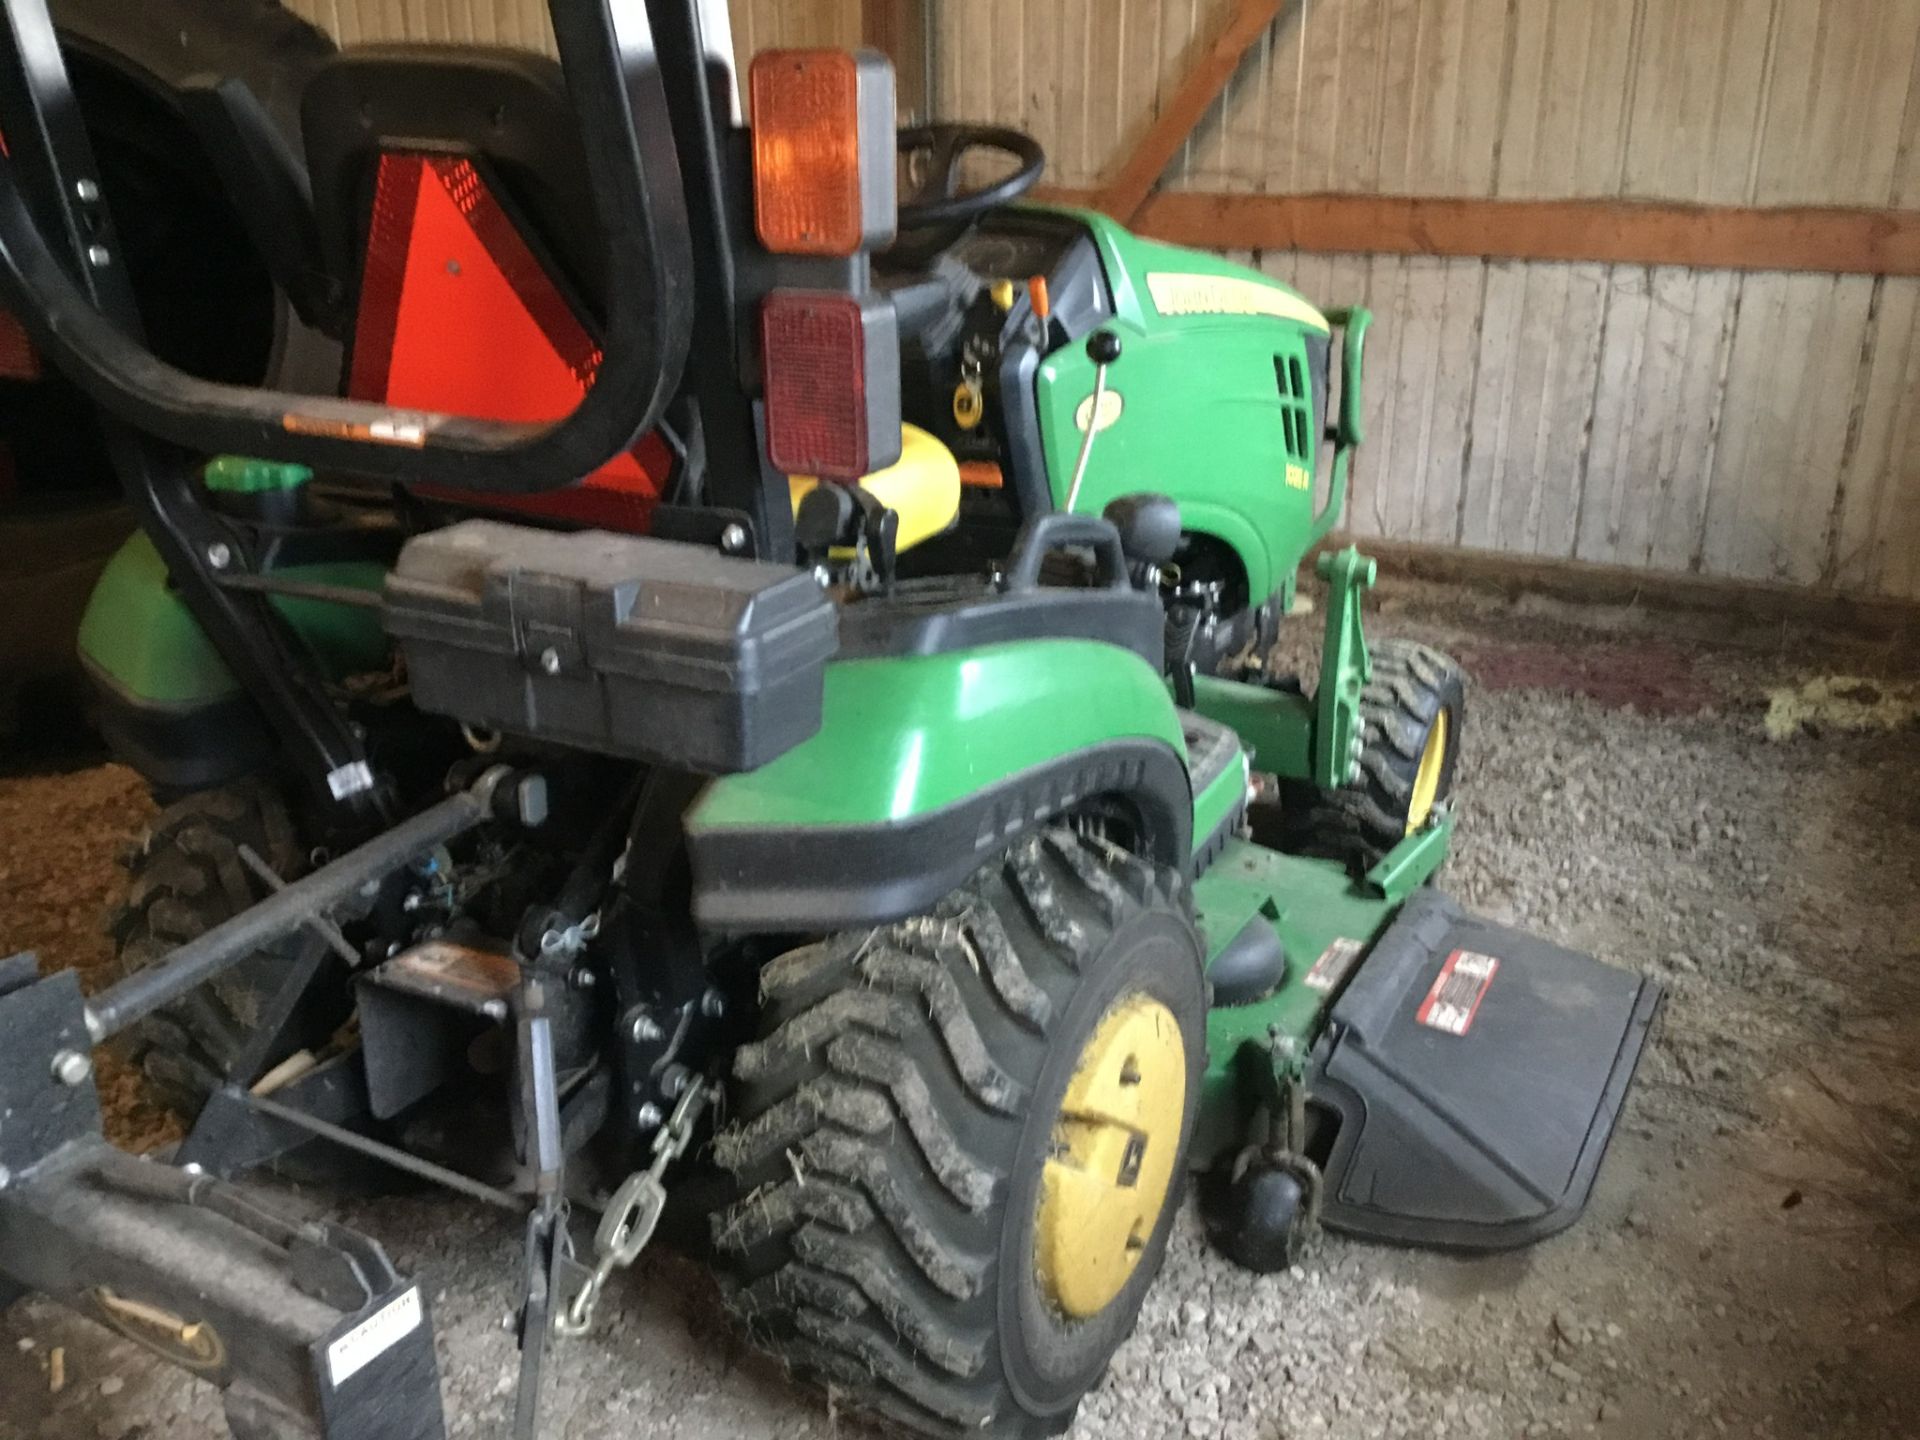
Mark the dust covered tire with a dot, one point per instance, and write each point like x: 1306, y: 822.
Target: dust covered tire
x: 1411, y: 712
x: 899, y: 1132
x: 185, y: 877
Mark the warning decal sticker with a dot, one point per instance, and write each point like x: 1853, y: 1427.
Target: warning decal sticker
x: 1457, y: 992
x: 372, y: 1338
x: 1332, y: 966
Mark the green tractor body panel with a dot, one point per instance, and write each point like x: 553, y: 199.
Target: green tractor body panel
x: 1213, y: 401
x: 900, y: 738
x: 923, y: 767
x: 139, y: 637
x: 1275, y: 726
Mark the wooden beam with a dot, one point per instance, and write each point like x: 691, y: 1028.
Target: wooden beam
x: 1617, y: 232
x: 898, y: 30
x: 1202, y: 85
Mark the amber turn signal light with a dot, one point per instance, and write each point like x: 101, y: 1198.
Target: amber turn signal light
x: 823, y: 150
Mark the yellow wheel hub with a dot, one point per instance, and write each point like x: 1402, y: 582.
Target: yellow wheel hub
x: 1426, y: 781
x: 1107, y: 1177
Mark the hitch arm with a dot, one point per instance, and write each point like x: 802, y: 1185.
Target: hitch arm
x: 1345, y: 668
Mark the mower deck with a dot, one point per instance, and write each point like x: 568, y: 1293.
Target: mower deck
x: 1464, y: 1078
x: 1478, y: 1072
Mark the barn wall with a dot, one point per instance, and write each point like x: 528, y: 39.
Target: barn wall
x: 1751, y: 425
x: 523, y: 24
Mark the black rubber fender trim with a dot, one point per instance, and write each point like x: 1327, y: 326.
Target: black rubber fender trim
x: 814, y: 878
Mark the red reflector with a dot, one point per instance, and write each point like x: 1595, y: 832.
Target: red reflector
x: 18, y: 359
x: 814, y: 350
x: 458, y: 314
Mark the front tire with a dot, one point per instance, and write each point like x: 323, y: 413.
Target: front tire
x: 1411, y: 713
x: 961, y: 1141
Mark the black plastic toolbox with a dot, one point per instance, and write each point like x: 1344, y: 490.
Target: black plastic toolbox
x: 620, y: 644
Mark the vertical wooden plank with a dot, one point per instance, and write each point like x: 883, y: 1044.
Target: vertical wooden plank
x: 1523, y: 460
x: 1701, y: 71
x: 1539, y: 359
x: 1567, y: 118
x: 1838, y: 102
x: 1405, y: 101
x: 1782, y: 439
x: 1682, y: 420
x: 1752, y: 436
x: 1420, y: 371
x: 1361, y: 97
x: 1878, y: 548
x: 1654, y: 423
x: 1110, y: 100
x: 1040, y: 71
x: 1006, y: 72
x: 1380, y: 506
x: 1450, y: 405
x: 1493, y: 422
x: 1524, y: 135
x: 1560, y: 469
x: 898, y: 30
x: 1615, y: 483
x: 1141, y: 83
x: 1301, y: 114
x: 1906, y: 174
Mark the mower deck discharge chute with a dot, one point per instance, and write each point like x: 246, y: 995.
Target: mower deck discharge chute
x: 878, y: 857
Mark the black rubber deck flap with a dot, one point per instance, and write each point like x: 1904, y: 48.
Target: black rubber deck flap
x: 1478, y: 1072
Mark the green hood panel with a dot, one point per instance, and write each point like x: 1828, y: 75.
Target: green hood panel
x: 904, y: 737
x: 1211, y: 401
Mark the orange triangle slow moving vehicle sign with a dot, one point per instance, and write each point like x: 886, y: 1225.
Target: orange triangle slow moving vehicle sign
x: 457, y: 314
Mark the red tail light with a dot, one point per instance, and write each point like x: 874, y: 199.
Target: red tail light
x: 831, y: 367
x: 18, y: 359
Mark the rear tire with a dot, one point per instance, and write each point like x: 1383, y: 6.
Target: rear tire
x: 913, y: 1140
x: 1411, y: 713
x: 186, y: 876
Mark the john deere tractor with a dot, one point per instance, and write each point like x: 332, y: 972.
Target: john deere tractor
x: 743, y: 720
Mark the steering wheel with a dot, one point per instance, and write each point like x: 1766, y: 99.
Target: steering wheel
x: 938, y: 199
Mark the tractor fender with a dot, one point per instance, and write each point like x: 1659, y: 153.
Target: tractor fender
x: 924, y: 768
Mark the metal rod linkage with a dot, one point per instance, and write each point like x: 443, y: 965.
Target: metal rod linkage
x: 387, y: 1154
x: 285, y: 911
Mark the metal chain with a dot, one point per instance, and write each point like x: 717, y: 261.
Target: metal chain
x: 634, y: 1212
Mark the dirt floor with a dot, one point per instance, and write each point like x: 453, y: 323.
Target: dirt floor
x: 1750, y: 1263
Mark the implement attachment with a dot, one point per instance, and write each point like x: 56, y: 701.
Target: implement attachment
x: 306, y: 1327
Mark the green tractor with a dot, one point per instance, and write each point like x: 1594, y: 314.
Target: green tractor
x: 884, y: 866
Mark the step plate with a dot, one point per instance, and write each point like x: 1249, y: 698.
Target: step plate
x: 1477, y: 1073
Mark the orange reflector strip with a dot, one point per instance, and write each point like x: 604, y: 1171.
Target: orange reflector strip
x: 806, y: 151
x: 981, y: 475
x: 1042, y: 301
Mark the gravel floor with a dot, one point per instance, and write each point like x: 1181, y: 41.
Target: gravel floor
x: 1750, y: 1264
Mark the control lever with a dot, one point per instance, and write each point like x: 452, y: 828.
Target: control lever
x: 1103, y: 348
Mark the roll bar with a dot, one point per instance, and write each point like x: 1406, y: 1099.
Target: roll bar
x: 79, y: 309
